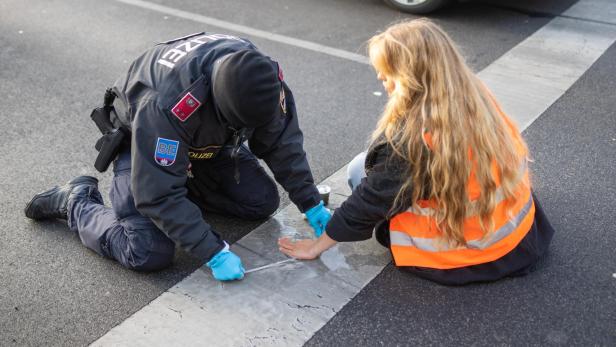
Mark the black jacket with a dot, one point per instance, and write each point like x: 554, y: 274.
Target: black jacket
x: 372, y: 200
x: 165, y: 139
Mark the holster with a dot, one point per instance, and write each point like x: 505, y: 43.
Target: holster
x: 110, y: 144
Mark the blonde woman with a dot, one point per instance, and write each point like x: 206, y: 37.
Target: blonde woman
x: 445, y: 182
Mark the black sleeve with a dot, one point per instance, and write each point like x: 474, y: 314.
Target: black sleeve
x: 370, y: 202
x: 159, y: 182
x: 281, y: 145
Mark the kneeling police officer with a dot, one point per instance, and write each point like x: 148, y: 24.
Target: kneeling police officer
x: 175, y: 127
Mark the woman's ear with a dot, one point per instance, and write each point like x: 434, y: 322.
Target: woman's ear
x: 392, y: 86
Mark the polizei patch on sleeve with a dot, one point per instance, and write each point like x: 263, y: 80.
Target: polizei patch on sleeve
x: 185, y: 107
x: 166, y: 151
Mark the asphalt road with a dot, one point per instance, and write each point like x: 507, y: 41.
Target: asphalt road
x: 57, y: 57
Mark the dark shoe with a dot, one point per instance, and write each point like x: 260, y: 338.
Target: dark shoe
x: 53, y: 203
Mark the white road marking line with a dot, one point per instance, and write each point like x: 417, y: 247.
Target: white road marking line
x: 534, y: 74
x: 286, y: 307
x: 238, y: 28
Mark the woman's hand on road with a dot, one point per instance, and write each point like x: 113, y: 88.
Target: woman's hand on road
x: 305, y: 249
x: 300, y: 249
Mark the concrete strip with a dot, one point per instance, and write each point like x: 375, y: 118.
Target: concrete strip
x: 281, y: 305
x: 285, y: 305
x: 238, y: 28
x: 533, y: 75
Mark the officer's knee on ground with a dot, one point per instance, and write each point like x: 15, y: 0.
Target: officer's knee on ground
x: 153, y: 263
x: 262, y: 209
x: 147, y: 249
x: 262, y: 204
x: 271, y: 205
x: 152, y: 259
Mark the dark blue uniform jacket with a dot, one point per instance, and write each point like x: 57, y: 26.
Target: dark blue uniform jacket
x: 166, y: 102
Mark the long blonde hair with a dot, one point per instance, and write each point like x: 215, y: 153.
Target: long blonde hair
x: 437, y: 93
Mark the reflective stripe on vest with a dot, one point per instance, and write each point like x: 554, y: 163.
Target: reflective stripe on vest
x: 400, y: 238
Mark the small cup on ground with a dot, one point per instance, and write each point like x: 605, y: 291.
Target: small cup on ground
x: 324, y: 191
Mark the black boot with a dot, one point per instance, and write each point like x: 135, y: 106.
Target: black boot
x: 53, y: 203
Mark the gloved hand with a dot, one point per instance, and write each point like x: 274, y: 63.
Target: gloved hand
x: 226, y: 265
x: 318, y: 217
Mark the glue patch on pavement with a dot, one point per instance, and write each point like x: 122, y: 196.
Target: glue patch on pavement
x: 334, y: 259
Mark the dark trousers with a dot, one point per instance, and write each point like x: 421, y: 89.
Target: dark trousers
x: 123, y: 234
x: 215, y: 189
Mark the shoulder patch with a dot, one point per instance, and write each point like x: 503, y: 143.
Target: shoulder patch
x: 185, y: 107
x: 280, y: 74
x: 166, y: 151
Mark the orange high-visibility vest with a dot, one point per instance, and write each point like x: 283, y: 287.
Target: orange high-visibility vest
x: 416, y: 239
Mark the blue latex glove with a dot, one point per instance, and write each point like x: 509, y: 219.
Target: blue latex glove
x: 318, y: 217
x: 226, y: 265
